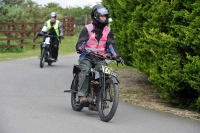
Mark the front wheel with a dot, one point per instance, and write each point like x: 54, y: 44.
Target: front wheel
x: 49, y: 55
x: 49, y: 63
x: 74, y: 98
x: 42, y: 59
x: 108, y: 104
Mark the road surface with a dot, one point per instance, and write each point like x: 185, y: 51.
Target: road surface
x: 32, y: 101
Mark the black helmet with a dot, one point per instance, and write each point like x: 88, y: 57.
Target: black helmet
x: 53, y: 15
x: 98, y: 10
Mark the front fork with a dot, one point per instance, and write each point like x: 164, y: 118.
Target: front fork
x: 104, y: 90
x: 102, y: 84
x: 48, y: 52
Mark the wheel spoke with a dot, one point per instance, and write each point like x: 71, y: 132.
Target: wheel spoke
x: 108, y: 104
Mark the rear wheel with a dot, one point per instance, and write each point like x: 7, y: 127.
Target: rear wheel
x: 108, y: 105
x: 42, y: 59
x: 74, y: 98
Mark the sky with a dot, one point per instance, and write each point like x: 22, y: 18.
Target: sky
x: 69, y: 3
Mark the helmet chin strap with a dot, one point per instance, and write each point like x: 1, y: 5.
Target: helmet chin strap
x: 52, y: 23
x: 99, y: 26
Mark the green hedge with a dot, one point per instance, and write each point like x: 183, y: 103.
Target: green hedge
x: 161, y: 39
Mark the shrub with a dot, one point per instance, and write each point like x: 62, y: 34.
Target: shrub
x: 161, y: 39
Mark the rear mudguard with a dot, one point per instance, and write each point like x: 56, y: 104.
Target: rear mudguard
x: 73, y: 81
x: 76, y: 69
x: 75, y: 72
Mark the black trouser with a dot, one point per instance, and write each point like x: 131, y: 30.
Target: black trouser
x: 55, y: 47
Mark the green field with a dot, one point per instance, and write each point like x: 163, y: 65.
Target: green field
x: 67, y: 46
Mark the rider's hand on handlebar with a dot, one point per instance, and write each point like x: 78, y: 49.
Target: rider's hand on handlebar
x: 119, y: 60
x: 40, y: 34
x: 81, y: 49
x: 122, y: 61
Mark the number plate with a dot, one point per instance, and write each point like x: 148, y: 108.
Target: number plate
x: 47, y: 40
x: 114, y: 74
x: 107, y: 69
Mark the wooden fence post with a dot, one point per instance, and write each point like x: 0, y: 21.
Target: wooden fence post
x: 34, y: 39
x: 8, y: 41
x: 22, y: 35
x: 64, y: 25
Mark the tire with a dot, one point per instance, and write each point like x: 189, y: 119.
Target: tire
x: 74, y: 91
x: 49, y: 55
x: 106, y: 114
x: 42, y: 59
x: 49, y: 63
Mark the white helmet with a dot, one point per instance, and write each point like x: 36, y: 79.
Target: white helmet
x: 53, y: 14
x: 110, y: 20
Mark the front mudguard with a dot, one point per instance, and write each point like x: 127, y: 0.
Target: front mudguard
x: 44, y: 45
x: 114, y: 80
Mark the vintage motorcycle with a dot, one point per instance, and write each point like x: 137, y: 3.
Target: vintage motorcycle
x: 46, y: 49
x: 103, y: 92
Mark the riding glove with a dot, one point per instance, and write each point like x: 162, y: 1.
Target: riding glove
x: 81, y: 49
x: 120, y: 60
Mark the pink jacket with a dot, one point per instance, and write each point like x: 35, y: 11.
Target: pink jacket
x: 93, y: 45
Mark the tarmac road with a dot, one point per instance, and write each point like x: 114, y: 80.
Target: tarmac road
x: 32, y: 100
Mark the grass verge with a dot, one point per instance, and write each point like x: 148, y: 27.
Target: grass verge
x: 67, y: 46
x: 137, y: 90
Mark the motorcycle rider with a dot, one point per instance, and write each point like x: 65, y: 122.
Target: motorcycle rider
x: 95, y: 37
x: 53, y: 27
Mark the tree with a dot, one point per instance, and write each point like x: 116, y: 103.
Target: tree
x: 12, y: 2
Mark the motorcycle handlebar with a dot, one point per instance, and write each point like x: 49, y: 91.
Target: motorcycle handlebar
x: 118, y: 59
x: 46, y: 35
x: 108, y: 55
